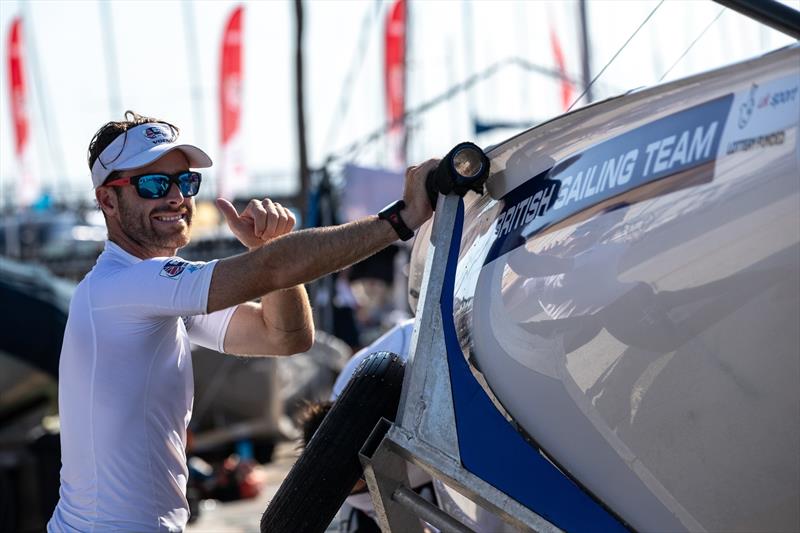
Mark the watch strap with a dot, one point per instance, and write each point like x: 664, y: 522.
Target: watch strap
x: 391, y: 214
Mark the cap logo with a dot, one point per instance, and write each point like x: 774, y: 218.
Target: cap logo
x: 156, y: 135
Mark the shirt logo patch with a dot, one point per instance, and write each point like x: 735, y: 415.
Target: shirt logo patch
x: 174, y: 268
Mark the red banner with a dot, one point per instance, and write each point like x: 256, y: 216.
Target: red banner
x: 231, y: 173
x: 395, y: 66
x: 558, y: 55
x: 16, y: 76
x: 27, y: 186
x: 231, y: 76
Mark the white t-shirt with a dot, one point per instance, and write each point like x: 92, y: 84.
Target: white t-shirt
x: 126, y: 391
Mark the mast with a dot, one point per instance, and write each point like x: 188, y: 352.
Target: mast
x: 195, y: 86
x: 110, y: 56
x: 585, y: 58
x: 304, y: 176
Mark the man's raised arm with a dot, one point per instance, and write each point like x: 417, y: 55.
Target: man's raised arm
x: 306, y: 255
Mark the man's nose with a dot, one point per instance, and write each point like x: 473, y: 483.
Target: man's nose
x: 174, y: 195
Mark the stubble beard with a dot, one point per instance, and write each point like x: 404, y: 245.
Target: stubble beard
x: 138, y: 226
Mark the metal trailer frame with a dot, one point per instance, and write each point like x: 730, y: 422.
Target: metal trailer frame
x: 518, y: 483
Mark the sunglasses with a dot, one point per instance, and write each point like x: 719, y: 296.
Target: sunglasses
x: 156, y: 185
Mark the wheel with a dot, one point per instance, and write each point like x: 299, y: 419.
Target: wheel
x: 324, y: 474
x: 8, y: 501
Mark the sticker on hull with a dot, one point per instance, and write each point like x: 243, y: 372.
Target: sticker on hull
x: 666, y: 147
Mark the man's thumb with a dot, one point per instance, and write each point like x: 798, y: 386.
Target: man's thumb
x: 227, y: 210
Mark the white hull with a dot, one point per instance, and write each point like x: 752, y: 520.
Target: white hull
x: 643, y: 327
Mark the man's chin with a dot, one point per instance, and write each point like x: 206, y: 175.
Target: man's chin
x: 175, y: 239
x: 180, y: 240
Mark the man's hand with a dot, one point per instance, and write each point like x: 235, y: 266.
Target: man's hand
x: 418, y: 207
x: 281, y: 323
x: 260, y: 222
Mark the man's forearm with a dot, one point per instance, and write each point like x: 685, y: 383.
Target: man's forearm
x: 287, y: 316
x: 296, y: 258
x: 309, y: 254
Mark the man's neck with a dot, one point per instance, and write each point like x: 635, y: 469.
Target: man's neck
x: 137, y: 249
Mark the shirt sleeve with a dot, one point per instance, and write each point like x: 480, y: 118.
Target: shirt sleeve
x: 209, y: 330
x: 159, y: 287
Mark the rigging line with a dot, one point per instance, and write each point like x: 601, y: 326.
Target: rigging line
x: 653, y: 12
x: 721, y: 11
x: 448, y: 94
x: 356, y: 63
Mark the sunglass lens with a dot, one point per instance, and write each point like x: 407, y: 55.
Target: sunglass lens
x: 189, y: 183
x: 153, y: 186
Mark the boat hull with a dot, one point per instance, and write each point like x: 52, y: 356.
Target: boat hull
x: 628, y: 292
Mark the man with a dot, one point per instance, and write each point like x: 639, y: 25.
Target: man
x: 126, y: 388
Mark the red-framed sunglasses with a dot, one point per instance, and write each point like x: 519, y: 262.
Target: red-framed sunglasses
x: 154, y: 185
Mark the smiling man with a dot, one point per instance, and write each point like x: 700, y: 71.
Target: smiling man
x: 125, y: 383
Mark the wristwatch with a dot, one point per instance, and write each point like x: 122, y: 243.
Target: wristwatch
x: 391, y: 213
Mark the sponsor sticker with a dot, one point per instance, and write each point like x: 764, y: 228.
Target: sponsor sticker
x: 174, y: 268
x: 775, y: 95
x: 767, y: 111
x: 667, y: 146
x: 760, y: 141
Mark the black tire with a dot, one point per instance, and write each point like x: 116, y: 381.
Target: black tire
x: 324, y: 474
x: 8, y: 501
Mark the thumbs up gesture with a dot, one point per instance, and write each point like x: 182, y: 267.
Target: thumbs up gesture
x: 260, y: 222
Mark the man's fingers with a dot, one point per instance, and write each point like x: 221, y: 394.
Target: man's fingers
x: 290, y: 220
x: 424, y: 168
x: 262, y: 220
x: 259, y: 215
x: 241, y: 225
x: 418, y: 208
x: 285, y: 220
x: 272, y: 219
x: 232, y: 217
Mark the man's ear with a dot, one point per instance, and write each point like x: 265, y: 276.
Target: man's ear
x: 107, y: 200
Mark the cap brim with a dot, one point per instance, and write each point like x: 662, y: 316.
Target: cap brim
x: 196, y: 157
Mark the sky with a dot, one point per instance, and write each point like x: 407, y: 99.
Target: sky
x: 75, y: 49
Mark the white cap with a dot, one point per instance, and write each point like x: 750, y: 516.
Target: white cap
x: 140, y: 146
